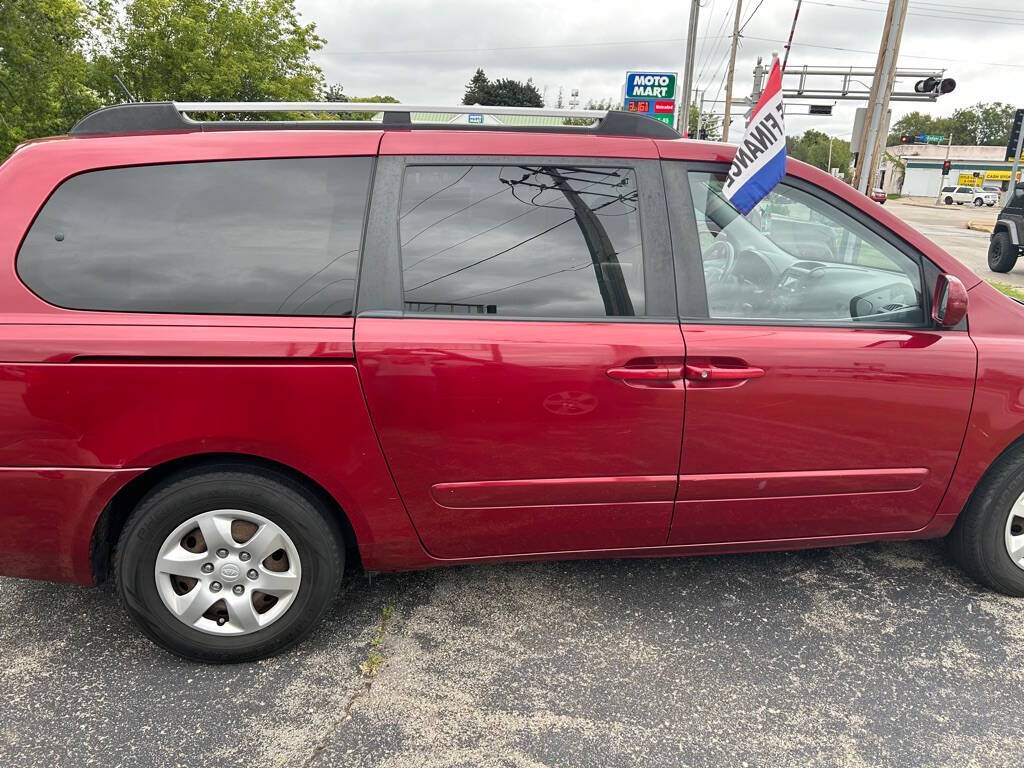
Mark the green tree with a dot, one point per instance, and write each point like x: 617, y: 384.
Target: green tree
x: 501, y: 93
x: 813, y: 148
x: 224, y: 50
x: 476, y: 89
x: 983, y: 124
x: 335, y: 92
x: 986, y: 124
x: 43, y: 68
x: 710, y: 125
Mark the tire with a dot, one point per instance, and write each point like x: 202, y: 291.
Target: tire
x: 948, y: 200
x: 305, y: 568
x: 978, y: 202
x: 1002, y: 253
x: 960, y: 202
x: 977, y: 541
x: 990, y: 204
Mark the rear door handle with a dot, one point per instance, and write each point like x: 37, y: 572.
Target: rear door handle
x: 661, y: 372
x: 704, y: 372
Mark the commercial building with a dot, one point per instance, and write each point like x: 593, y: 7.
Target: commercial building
x: 917, y: 171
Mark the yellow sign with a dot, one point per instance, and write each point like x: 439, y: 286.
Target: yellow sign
x: 969, y: 180
x: 997, y: 175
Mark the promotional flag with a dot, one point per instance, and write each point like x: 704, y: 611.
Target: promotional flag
x: 760, y: 161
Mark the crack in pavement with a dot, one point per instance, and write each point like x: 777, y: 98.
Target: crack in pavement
x: 374, y: 660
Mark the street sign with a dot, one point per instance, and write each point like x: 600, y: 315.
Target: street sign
x: 931, y: 138
x: 475, y: 119
x: 652, y: 94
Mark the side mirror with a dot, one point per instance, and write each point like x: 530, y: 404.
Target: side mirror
x: 950, y: 304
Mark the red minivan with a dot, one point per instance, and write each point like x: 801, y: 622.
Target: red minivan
x: 235, y: 354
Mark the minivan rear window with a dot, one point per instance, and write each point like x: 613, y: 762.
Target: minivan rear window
x: 240, y: 237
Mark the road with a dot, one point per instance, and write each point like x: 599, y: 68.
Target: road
x: 881, y: 654
x: 947, y: 227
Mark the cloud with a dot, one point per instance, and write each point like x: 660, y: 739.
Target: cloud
x: 423, y: 52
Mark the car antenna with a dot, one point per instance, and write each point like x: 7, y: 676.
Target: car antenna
x: 124, y: 88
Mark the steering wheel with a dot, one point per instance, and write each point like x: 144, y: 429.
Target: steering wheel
x: 719, y: 250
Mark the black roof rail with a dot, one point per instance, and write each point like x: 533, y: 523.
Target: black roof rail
x: 159, y: 116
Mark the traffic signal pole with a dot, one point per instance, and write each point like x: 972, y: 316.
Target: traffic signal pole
x: 942, y: 183
x: 881, y: 88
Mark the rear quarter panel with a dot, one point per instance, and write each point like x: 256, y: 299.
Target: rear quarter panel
x: 89, y: 400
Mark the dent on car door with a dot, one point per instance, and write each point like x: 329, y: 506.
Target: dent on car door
x: 523, y: 373
x: 853, y: 415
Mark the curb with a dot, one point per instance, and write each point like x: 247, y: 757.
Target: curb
x: 981, y: 226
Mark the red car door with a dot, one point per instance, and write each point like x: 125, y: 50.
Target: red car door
x: 524, y: 373
x: 821, y: 400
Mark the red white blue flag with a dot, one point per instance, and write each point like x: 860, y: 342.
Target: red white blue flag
x: 760, y: 161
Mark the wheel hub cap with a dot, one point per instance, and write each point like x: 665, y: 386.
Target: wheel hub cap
x: 228, y: 572
x: 1014, y: 534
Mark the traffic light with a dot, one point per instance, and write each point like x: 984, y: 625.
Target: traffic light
x: 945, y: 168
x: 936, y: 85
x: 1015, y: 129
x: 906, y: 138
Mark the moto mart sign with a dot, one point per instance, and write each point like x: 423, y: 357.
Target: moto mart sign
x: 652, y: 94
x: 650, y: 85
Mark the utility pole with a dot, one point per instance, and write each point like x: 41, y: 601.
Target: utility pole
x: 683, y: 124
x: 881, y: 89
x: 829, y: 163
x: 732, y: 69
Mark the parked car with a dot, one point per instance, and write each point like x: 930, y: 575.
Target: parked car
x: 236, y: 359
x: 974, y: 195
x: 878, y: 196
x: 1007, y: 241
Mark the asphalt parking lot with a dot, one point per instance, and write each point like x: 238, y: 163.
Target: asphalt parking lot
x: 947, y: 227
x: 881, y: 654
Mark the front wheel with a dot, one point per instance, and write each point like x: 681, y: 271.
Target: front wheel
x: 228, y: 565
x: 978, y: 202
x: 988, y: 538
x: 1002, y: 253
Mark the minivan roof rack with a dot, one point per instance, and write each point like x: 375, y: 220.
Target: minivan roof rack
x: 157, y: 116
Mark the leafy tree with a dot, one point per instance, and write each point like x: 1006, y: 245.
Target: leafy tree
x: 984, y: 124
x: 710, y: 125
x: 224, y: 50
x: 335, y: 92
x: 43, y: 68
x: 813, y: 148
x: 501, y: 93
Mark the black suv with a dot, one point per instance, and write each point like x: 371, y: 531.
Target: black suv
x: 1008, y: 235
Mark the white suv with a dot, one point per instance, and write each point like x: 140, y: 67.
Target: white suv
x: 976, y: 195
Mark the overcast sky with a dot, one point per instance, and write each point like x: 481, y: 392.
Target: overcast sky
x: 425, y: 52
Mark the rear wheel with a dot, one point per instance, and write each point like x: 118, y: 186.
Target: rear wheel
x: 978, y: 202
x: 1002, y: 253
x: 228, y: 565
x: 948, y: 200
x: 988, y: 538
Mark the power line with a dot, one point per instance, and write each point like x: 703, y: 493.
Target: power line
x: 971, y: 9
x: 957, y: 17
x: 902, y: 55
x: 416, y: 51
